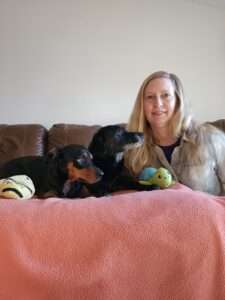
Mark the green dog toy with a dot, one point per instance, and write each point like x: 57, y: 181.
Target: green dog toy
x: 160, y: 177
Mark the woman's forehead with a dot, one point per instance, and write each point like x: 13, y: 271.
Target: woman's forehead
x: 159, y: 84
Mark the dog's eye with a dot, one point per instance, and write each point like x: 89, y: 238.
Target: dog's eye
x: 87, y: 156
x: 80, y: 162
x: 118, y: 134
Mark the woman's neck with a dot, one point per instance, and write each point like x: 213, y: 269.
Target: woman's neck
x: 164, y: 137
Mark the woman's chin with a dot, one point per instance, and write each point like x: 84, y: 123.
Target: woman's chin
x: 159, y: 123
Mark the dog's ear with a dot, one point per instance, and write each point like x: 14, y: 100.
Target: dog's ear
x: 54, y: 152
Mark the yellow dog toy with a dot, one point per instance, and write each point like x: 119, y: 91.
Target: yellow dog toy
x: 17, y: 187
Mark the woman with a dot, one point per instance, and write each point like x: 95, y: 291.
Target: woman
x: 194, y: 154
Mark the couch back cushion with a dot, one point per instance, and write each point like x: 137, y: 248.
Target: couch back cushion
x: 64, y: 134
x: 21, y: 140
x: 219, y: 124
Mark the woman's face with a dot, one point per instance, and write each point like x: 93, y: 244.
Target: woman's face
x: 159, y: 102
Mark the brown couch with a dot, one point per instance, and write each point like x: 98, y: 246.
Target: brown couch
x: 35, y: 139
x: 164, y: 244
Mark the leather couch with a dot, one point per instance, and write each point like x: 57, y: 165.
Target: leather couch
x: 35, y: 139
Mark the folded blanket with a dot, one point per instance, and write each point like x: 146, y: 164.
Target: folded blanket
x: 158, y: 245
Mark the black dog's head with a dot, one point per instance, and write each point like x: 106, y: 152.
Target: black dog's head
x: 113, y: 140
x: 75, y: 163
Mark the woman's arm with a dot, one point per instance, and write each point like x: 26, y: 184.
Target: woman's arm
x: 217, y: 143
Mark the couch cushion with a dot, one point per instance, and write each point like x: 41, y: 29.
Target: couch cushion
x: 219, y: 124
x: 64, y: 134
x: 21, y: 140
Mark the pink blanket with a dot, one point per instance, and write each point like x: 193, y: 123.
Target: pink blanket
x: 167, y: 245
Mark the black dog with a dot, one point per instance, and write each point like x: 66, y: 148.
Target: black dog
x: 51, y: 173
x: 107, y: 147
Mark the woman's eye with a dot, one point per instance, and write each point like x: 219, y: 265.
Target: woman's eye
x: 166, y: 95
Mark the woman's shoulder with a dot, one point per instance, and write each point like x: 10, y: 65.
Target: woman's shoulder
x: 204, y: 132
x: 210, y: 134
x: 210, y: 129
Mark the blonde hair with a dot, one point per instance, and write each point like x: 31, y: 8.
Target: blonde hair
x: 142, y: 156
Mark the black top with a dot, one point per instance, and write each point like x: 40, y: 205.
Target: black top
x: 168, y: 150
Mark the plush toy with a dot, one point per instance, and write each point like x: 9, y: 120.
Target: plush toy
x: 160, y: 177
x: 17, y: 187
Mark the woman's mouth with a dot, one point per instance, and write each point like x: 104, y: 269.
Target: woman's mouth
x: 158, y: 113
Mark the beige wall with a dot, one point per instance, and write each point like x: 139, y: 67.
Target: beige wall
x: 83, y: 61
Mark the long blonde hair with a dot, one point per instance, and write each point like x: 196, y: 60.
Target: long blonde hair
x: 142, y: 156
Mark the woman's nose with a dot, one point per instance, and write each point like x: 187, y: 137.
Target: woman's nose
x: 158, y: 101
